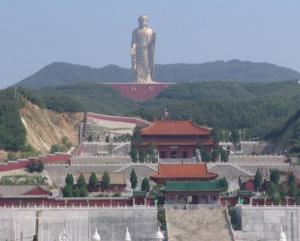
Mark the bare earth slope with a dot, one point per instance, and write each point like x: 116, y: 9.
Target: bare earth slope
x: 45, y: 127
x: 194, y: 225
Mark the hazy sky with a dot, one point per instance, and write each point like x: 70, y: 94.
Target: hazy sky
x: 35, y: 33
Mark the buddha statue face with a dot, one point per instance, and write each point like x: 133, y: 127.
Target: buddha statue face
x: 143, y: 21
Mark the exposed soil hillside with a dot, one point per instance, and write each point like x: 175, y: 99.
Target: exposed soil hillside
x: 45, y: 128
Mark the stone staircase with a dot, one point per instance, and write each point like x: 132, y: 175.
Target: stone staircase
x: 207, y: 224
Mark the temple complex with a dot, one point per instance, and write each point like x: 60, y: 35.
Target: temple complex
x: 176, y: 139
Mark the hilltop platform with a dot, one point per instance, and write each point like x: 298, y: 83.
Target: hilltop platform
x: 139, y: 92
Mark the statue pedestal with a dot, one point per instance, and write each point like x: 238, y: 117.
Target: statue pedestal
x: 139, y: 92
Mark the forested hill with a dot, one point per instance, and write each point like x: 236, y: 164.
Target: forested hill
x: 287, y: 137
x: 58, y: 73
x: 256, y: 107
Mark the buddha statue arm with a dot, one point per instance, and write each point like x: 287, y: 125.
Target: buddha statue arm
x: 133, y: 54
x: 152, y: 46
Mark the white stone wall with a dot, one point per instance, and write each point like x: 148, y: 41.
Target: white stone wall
x: 79, y: 223
x: 260, y: 223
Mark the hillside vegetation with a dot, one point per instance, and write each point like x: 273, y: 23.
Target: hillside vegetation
x: 257, y: 107
x: 81, y: 97
x: 12, y: 131
x: 261, y: 109
x: 287, y: 137
x: 57, y: 74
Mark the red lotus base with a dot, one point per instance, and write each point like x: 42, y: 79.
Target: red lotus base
x: 139, y: 92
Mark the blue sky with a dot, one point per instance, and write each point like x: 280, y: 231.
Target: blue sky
x: 35, y: 33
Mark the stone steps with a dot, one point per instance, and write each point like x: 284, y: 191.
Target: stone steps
x: 207, y: 224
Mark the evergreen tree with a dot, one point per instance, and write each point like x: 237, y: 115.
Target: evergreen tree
x: 105, y: 181
x: 291, y: 178
x: 145, y: 186
x: 257, y: 180
x: 83, y: 191
x: 235, y: 138
x: 224, y: 155
x: 133, y: 153
x: 67, y: 191
x: 142, y: 155
x: 81, y: 181
x: 206, y: 156
x: 76, y: 192
x: 275, y: 177
x: 93, y: 181
x: 272, y: 190
x: 69, y: 179
x: 151, y: 153
x: 215, y: 154
x: 293, y: 189
x: 133, y: 179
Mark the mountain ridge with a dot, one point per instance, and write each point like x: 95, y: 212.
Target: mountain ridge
x: 61, y: 73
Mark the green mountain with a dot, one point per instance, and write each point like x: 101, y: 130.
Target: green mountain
x: 57, y: 74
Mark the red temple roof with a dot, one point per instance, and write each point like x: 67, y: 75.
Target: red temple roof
x: 176, y: 142
x: 169, y: 127
x: 183, y: 171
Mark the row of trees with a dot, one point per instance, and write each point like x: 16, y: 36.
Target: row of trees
x: 218, y: 153
x: 138, y: 153
x: 145, y: 185
x: 81, y: 189
x: 277, y: 190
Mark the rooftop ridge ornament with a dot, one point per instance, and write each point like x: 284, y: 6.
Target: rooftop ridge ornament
x: 127, y: 235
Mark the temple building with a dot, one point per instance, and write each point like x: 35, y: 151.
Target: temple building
x: 176, y: 139
x: 182, y: 172
x: 189, y: 184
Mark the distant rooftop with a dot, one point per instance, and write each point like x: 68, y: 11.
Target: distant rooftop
x: 171, y: 127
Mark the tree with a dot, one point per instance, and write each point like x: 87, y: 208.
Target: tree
x: 69, y: 179
x: 151, y: 153
x: 93, y: 181
x: 83, y: 191
x: 39, y: 166
x: 81, y: 181
x: 133, y: 153
x: 76, y: 192
x: 215, y: 154
x: 272, y: 190
x: 223, y: 183
x: 67, y: 191
x: 142, y: 155
x: 11, y: 156
x: 133, y: 179
x: 293, y: 189
x: 206, y: 156
x: 275, y: 176
x: 145, y: 186
x: 55, y: 148
x: 224, y: 155
x: 235, y: 138
x: 257, y: 180
x: 291, y: 178
x: 105, y: 181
